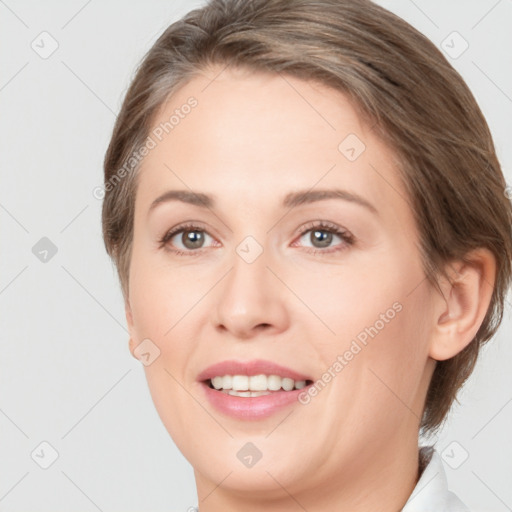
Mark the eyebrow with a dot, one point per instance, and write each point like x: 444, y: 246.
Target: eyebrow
x: 291, y: 200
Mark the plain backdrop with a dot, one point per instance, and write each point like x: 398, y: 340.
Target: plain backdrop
x: 67, y: 379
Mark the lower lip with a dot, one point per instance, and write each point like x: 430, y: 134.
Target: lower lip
x: 251, y: 408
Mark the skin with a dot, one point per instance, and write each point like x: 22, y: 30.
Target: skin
x: 252, y: 139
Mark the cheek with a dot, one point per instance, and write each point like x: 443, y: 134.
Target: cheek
x: 165, y: 309
x: 379, y: 317
x: 347, y: 300
x: 160, y: 297
x: 159, y: 305
x: 391, y: 364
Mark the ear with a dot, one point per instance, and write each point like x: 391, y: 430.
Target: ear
x: 461, y: 308
x: 131, y: 329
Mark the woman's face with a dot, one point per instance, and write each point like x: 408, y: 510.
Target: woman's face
x: 277, y: 269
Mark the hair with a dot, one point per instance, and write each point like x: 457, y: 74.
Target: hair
x: 400, y: 84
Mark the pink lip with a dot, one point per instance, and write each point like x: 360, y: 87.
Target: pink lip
x: 254, y: 367
x: 250, y: 408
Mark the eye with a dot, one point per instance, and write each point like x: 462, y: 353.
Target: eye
x: 322, y: 234
x: 192, y: 239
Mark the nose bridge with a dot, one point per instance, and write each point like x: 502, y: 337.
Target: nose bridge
x: 248, y: 279
x: 248, y: 296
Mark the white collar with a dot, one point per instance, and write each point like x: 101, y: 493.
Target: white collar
x: 431, y: 492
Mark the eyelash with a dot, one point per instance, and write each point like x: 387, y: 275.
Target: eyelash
x: 346, y: 236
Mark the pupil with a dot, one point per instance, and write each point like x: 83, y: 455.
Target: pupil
x: 324, y: 238
x: 193, y: 239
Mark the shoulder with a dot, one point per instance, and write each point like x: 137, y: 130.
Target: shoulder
x: 431, y: 491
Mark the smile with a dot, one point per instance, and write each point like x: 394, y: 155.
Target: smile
x: 254, y: 385
x: 252, y: 390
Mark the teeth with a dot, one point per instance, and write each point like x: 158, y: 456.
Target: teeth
x: 288, y: 384
x: 240, y: 382
x: 255, y: 385
x: 217, y: 382
x: 274, y: 382
x: 245, y: 393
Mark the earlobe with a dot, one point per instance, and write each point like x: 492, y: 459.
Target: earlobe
x: 129, y: 321
x: 131, y: 345
x: 462, y: 307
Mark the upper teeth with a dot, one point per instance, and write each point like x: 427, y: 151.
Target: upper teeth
x: 256, y: 383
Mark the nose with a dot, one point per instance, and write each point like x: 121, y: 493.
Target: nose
x: 251, y: 300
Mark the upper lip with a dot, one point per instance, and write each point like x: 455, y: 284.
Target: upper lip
x: 253, y: 367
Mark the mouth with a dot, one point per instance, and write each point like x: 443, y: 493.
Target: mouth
x: 254, y: 385
x: 252, y: 390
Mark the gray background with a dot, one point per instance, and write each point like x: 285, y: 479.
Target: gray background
x: 66, y: 375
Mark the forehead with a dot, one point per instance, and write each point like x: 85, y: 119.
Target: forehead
x: 257, y: 136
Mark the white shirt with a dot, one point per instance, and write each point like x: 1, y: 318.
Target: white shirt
x: 431, y: 493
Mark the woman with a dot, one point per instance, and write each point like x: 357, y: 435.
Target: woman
x: 309, y: 223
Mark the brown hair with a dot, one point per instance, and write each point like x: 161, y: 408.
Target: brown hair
x: 399, y: 82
